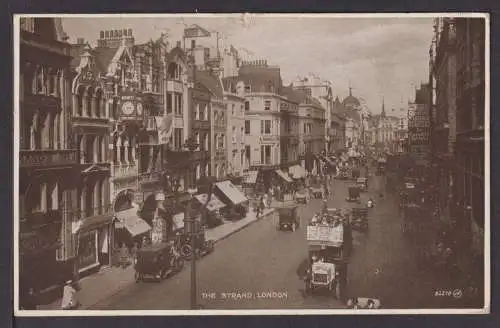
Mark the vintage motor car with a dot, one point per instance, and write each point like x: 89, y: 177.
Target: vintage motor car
x: 288, y: 218
x: 359, y: 218
x: 353, y: 195
x: 329, y: 247
x: 302, y: 196
x: 323, y: 275
x: 157, y: 261
x: 362, y: 184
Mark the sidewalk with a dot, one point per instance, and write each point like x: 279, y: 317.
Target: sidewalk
x: 111, y: 280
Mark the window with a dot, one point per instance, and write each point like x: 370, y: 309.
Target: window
x: 178, y: 104
x: 247, y: 105
x: 193, y: 44
x: 201, y: 109
x: 205, y: 112
x: 267, y: 127
x: 222, y: 143
x: 205, y: 141
x: 267, y: 105
x: 247, y: 153
x: 197, y: 112
x: 232, y: 110
x: 265, y: 154
x: 247, y: 126
x: 169, y: 102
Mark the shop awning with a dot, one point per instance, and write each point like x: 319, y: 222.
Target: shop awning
x: 297, y: 171
x: 91, y: 223
x: 284, y: 176
x: 214, y: 204
x: 129, y: 220
x: 251, y: 177
x: 231, y: 192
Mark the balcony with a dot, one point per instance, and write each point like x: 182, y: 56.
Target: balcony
x: 80, y: 123
x: 47, y: 158
x: 175, y: 86
x: 125, y: 171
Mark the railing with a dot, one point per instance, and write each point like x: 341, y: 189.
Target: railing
x: 47, y: 158
x: 125, y: 170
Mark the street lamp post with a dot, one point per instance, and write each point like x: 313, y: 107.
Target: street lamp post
x: 190, y: 219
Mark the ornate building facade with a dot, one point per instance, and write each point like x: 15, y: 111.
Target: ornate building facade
x: 48, y: 161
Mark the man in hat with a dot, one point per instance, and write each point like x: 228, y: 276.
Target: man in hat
x: 69, y: 300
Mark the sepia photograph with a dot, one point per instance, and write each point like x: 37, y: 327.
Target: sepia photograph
x: 210, y: 164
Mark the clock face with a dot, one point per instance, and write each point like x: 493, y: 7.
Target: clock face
x: 139, y: 109
x: 127, y: 108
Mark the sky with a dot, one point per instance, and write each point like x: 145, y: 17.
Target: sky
x: 379, y: 57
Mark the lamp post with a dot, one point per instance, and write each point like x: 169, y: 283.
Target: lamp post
x: 191, y: 145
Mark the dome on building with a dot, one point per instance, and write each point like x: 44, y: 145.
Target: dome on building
x: 351, y: 101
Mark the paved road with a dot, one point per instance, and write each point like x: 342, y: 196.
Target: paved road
x: 260, y: 261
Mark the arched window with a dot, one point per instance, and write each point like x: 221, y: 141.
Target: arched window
x: 79, y: 98
x: 99, y: 104
x: 88, y: 99
x: 39, y: 80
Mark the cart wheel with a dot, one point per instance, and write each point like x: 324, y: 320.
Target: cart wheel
x: 137, y: 277
x: 294, y: 227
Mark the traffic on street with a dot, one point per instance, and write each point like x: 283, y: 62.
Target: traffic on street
x: 263, y: 268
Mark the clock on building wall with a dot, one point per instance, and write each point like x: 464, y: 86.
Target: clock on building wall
x: 139, y: 109
x: 127, y: 108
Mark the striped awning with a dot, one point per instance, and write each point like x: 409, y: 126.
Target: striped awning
x: 284, y: 176
x: 129, y: 220
x: 297, y: 172
x: 250, y: 177
x: 214, y: 204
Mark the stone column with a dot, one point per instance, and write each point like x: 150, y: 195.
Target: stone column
x: 133, y: 144
x: 94, y: 106
x: 83, y: 204
x: 95, y: 149
x: 83, y: 146
x: 97, y: 198
x: 126, y: 145
x: 118, y: 150
x: 103, y: 157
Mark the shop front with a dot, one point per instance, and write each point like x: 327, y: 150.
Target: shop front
x: 129, y: 227
x: 285, y: 183
x: 213, y: 208
x: 94, y: 237
x: 237, y: 203
x: 39, y: 242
